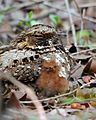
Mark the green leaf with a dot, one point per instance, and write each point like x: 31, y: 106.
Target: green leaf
x: 83, y: 33
x: 86, y: 38
x: 68, y: 100
x: 56, y: 20
x: 28, y: 20
x: 72, y: 99
x: 22, y: 22
x: 29, y: 15
x: 27, y: 23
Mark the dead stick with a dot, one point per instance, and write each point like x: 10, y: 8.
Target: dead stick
x: 73, y: 13
x: 62, y: 95
x: 71, y: 22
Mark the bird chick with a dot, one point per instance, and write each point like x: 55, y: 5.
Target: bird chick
x: 49, y: 82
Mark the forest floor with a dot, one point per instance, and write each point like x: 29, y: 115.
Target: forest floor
x: 75, y: 24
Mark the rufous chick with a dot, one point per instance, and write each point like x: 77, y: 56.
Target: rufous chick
x: 49, y: 82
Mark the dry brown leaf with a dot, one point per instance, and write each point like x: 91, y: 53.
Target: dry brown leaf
x: 93, y: 103
x: 14, y: 102
x: 77, y: 105
x: 87, y: 67
x: 90, y: 66
x: 86, y: 78
x: 21, y: 95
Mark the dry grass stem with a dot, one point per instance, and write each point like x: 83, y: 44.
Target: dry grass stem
x: 71, y: 22
x: 61, y: 95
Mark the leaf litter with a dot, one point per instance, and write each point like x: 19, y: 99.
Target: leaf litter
x: 80, y: 102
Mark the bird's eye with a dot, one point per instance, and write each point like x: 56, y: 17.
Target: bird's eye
x: 36, y: 56
x: 31, y: 58
x: 16, y: 61
x: 55, y: 66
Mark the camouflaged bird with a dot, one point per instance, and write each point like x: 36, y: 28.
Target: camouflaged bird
x: 27, y: 54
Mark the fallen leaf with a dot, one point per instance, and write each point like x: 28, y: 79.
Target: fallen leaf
x: 77, y: 105
x: 20, y: 95
x: 86, y: 78
x: 77, y: 71
x: 93, y: 65
x: 90, y: 66
x: 87, y: 67
x: 93, y: 103
x: 14, y: 102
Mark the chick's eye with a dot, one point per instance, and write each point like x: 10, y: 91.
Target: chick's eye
x: 55, y: 66
x: 47, y: 68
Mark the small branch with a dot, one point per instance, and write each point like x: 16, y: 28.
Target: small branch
x: 29, y: 92
x: 85, y: 17
x: 20, y: 6
x: 26, y: 4
x: 71, y: 22
x: 88, y: 5
x: 73, y: 13
x: 62, y: 95
x: 83, y: 51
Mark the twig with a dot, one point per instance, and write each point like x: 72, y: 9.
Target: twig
x: 83, y: 51
x: 88, y: 5
x: 81, y: 16
x: 29, y: 92
x: 26, y: 4
x: 85, y: 17
x: 71, y: 22
x: 18, y: 7
x: 62, y: 95
x: 73, y: 13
